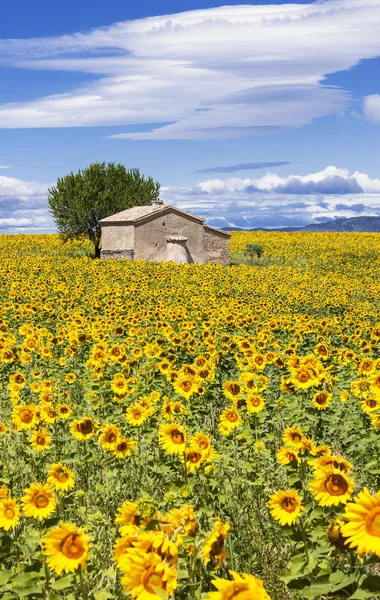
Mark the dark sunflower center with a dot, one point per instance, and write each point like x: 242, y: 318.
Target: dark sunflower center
x: 289, y: 504
x: 336, y: 485
x: 72, y: 547
x: 296, y: 437
x: 9, y: 513
x: 232, y: 417
x: 177, y: 437
x: 152, y: 580
x: 41, y: 501
x: 303, y: 376
x: 85, y: 427
x: 61, y: 476
x: 26, y: 416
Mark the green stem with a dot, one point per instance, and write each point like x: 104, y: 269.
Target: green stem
x: 47, y: 578
x: 185, y: 468
x: 304, y: 539
x: 83, y: 588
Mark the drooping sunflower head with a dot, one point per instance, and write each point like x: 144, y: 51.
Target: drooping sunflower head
x: 285, y: 456
x: 212, y: 548
x: 285, y: 506
x: 331, y: 487
x: 66, y: 547
x: 334, y: 534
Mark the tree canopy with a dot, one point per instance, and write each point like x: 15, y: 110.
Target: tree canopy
x: 80, y: 200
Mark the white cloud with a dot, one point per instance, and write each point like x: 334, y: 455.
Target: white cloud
x: 371, y: 107
x: 268, y: 201
x: 5, y: 167
x: 23, y: 206
x: 218, y: 73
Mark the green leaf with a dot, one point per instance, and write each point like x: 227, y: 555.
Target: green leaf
x: 5, y: 577
x: 371, y: 584
x: 26, y: 578
x: 30, y: 591
x: 63, y: 583
x: 102, y: 595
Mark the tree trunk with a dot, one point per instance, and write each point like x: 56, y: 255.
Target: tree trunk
x: 97, y: 251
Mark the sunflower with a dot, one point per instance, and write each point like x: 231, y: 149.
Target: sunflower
x: 323, y: 450
x: 213, y: 546
x: 24, y: 416
x: 70, y: 378
x: 67, y: 548
x: 83, y: 429
x: 344, y: 396
x: 201, y: 443
x: 109, y: 437
x: 124, y: 447
x: 363, y: 528
x: 243, y: 587
x: 293, y: 436
x: 63, y: 411
x: 370, y: 404
x: 194, y: 459
x: 285, y: 456
x: 285, y: 506
x: 61, y: 477
x: 40, y: 440
x: 334, y: 534
x: 303, y: 379
x: 331, y: 487
x: 375, y: 384
x: 229, y: 420
x: 9, y: 513
x: 231, y: 389
x: 136, y: 415
x: 4, y: 492
x: 322, y: 400
x: 185, y: 386
x: 173, y: 438
x: 336, y: 462
x: 367, y: 367
x: 39, y: 501
x: 144, y: 572
x: 128, y: 517
x: 255, y: 404
x: 3, y: 427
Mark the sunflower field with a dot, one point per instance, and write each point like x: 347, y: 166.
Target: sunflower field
x: 190, y: 432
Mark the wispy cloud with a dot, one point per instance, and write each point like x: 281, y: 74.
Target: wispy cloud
x: 23, y: 206
x: 372, y: 108
x: 243, y: 167
x: 5, y: 167
x: 224, y: 72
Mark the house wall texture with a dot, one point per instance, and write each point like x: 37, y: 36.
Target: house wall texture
x: 150, y: 236
x: 216, y: 247
x: 118, y: 241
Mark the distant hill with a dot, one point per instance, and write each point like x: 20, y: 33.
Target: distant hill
x: 359, y: 224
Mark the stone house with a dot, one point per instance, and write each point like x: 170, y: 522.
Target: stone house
x: 161, y: 232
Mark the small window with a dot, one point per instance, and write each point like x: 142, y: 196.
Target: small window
x: 163, y: 223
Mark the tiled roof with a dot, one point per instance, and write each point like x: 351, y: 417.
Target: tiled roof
x: 138, y: 213
x: 216, y: 229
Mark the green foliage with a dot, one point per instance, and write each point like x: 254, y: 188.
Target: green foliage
x: 80, y: 200
x: 254, y: 250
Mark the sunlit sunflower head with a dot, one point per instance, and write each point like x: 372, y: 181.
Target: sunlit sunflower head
x: 3, y: 428
x: 370, y: 404
x: 24, y: 416
x: 285, y: 456
x: 136, y: 415
x: 39, y: 501
x: 293, y: 436
x: 255, y: 403
x: 109, y: 437
x: 285, y: 506
x: 213, y: 550
x: 173, y: 438
x: 145, y: 572
x: 185, y: 385
x: 4, y: 492
x: 9, y: 513
x: 66, y: 547
x: 344, y: 396
x: 83, y: 429
x: 231, y: 389
x: 61, y: 477
x: 335, y: 462
x: 63, y: 411
x: 331, y: 487
x: 242, y: 587
x: 128, y: 517
x: 375, y: 384
x: 323, y: 450
x: 202, y: 443
x: 40, y: 440
x: 363, y: 527
x: 230, y: 419
x: 308, y: 445
x: 322, y: 400
x: 194, y: 459
x: 303, y: 379
x: 122, y: 544
x: 124, y: 447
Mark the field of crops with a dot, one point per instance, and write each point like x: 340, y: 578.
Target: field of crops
x: 190, y: 431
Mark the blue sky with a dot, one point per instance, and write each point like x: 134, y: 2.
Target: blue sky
x: 185, y: 86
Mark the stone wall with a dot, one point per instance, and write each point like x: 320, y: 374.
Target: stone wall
x: 117, y: 237
x: 216, y: 247
x: 118, y: 254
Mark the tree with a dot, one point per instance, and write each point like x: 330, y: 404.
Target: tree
x: 80, y: 200
x: 252, y: 250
